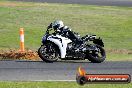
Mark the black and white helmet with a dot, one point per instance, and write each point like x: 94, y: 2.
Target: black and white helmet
x: 57, y: 24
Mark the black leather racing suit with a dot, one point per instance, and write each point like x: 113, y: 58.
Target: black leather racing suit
x: 65, y: 31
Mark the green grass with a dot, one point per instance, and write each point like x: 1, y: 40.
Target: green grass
x: 59, y: 85
x: 118, y: 57
x: 113, y: 24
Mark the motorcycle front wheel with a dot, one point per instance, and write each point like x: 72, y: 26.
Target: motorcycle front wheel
x: 48, y: 52
x: 98, y: 55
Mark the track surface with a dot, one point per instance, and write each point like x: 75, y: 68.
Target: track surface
x: 89, y: 2
x: 40, y: 71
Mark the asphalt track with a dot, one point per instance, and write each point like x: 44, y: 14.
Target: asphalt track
x: 89, y: 2
x: 57, y: 71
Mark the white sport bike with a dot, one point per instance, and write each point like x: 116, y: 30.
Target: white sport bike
x: 56, y: 46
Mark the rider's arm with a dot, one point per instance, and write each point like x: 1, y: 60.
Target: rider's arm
x: 65, y: 31
x: 50, y: 26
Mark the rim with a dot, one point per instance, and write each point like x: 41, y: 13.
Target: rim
x: 98, y: 53
x: 49, y: 52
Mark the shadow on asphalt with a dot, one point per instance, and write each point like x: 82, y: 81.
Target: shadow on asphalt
x: 68, y: 61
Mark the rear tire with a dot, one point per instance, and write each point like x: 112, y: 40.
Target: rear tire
x: 95, y: 57
x: 48, y: 52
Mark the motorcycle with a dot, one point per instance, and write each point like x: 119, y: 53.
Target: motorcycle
x: 58, y: 46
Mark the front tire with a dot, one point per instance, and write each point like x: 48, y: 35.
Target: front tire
x: 48, y: 52
x: 97, y: 56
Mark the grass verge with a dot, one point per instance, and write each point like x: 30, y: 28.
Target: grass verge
x: 59, y: 85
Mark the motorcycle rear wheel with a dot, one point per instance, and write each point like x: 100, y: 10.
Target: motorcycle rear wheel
x: 48, y: 52
x: 97, y: 57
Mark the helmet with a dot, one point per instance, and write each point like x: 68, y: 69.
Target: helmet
x: 57, y: 24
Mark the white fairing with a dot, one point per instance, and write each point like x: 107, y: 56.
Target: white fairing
x: 61, y: 42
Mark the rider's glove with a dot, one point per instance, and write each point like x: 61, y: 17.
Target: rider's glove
x: 50, y: 26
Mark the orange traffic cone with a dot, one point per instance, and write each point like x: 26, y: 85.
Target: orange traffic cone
x: 22, y: 49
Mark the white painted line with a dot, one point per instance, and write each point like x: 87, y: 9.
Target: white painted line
x: 55, y: 80
x: 40, y: 80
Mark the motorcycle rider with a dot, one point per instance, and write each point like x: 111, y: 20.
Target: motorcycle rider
x: 59, y: 27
